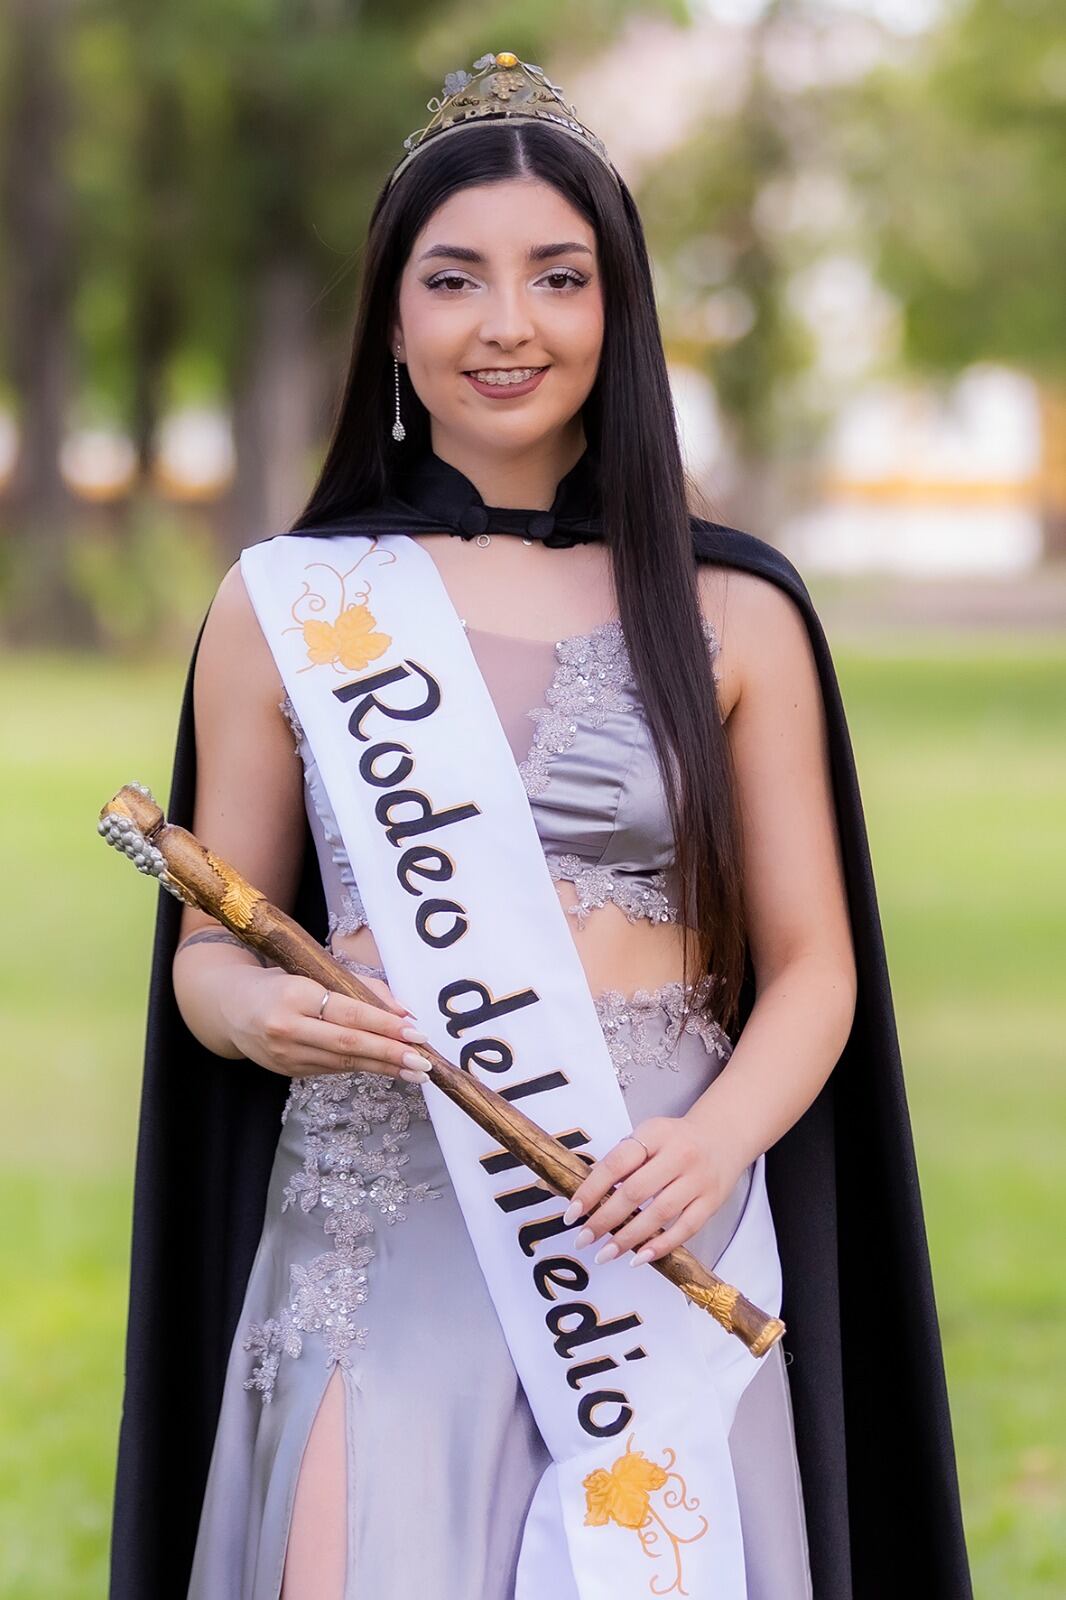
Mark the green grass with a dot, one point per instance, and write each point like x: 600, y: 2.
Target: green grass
x: 961, y: 749
x: 75, y: 946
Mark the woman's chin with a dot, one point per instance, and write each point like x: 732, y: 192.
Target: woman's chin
x: 511, y: 429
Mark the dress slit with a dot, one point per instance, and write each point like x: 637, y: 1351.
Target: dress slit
x: 316, y: 1561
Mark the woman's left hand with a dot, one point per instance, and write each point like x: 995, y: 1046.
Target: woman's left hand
x: 686, y: 1175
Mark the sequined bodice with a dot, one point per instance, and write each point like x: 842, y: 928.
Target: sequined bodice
x: 573, y: 717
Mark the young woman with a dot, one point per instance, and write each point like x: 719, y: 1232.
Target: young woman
x: 352, y: 1421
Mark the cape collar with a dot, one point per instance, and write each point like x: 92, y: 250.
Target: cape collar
x: 446, y: 496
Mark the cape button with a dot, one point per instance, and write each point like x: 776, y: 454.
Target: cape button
x: 541, y: 524
x: 475, y: 519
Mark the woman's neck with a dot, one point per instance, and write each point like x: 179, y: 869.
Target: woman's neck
x: 527, y: 481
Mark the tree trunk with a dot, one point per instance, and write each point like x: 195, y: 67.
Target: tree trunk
x: 46, y: 605
x: 155, y: 311
x: 763, y: 494
x: 278, y: 408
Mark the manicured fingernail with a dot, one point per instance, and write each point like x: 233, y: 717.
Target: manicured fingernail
x: 640, y: 1257
x: 412, y: 1076
x: 572, y: 1212
x: 413, y: 1036
x: 411, y: 1058
x: 586, y: 1236
x: 608, y: 1253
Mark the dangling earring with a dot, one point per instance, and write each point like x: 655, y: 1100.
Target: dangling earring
x: 398, y: 430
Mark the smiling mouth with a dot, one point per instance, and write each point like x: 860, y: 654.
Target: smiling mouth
x: 504, y: 375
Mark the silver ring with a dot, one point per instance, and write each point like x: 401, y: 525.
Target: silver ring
x: 643, y: 1146
x: 322, y: 1006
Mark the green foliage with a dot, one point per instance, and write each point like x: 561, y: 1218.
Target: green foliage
x: 210, y: 137
x: 959, y: 152
x: 699, y: 206
x: 145, y: 580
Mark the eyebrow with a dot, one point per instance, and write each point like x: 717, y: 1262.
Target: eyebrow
x: 539, y: 252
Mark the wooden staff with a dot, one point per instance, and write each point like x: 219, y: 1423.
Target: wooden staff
x: 134, y: 823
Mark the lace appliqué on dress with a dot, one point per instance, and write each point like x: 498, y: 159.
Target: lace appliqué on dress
x: 637, y: 894
x: 633, y: 1028
x: 288, y: 711
x: 352, y: 914
x: 356, y: 1124
x: 590, y: 680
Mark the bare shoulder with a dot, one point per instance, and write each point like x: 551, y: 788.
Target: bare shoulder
x: 762, y: 636
x: 233, y: 643
x: 249, y: 777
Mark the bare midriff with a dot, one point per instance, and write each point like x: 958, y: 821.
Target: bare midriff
x: 614, y: 952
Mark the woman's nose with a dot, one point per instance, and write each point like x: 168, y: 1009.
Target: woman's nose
x: 507, y: 321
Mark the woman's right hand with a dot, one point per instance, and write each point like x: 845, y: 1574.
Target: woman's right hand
x: 273, y: 1018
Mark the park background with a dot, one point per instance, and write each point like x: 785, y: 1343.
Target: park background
x: 857, y: 218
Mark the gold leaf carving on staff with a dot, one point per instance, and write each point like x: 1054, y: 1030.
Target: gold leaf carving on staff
x: 239, y: 899
x: 720, y: 1300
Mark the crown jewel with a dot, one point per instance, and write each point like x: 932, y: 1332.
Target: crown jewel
x: 500, y: 85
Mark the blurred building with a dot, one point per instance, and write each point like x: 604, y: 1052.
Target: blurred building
x: 929, y: 482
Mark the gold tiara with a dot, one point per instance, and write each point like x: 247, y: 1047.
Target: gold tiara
x: 500, y: 85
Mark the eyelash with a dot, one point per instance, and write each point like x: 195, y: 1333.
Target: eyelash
x: 577, y: 279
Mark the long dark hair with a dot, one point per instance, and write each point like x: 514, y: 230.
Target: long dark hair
x: 629, y: 425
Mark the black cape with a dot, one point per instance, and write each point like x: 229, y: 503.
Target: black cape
x: 873, y: 1429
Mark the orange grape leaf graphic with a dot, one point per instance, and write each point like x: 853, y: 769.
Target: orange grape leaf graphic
x: 351, y: 640
x: 623, y: 1495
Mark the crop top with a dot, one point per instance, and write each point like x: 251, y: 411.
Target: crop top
x: 572, y: 715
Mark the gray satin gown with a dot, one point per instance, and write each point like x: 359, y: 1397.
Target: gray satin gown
x: 365, y: 1262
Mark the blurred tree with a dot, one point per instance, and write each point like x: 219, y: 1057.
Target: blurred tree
x: 960, y: 153
x: 724, y: 274
x: 195, y: 200
x: 293, y: 120
x: 39, y: 284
